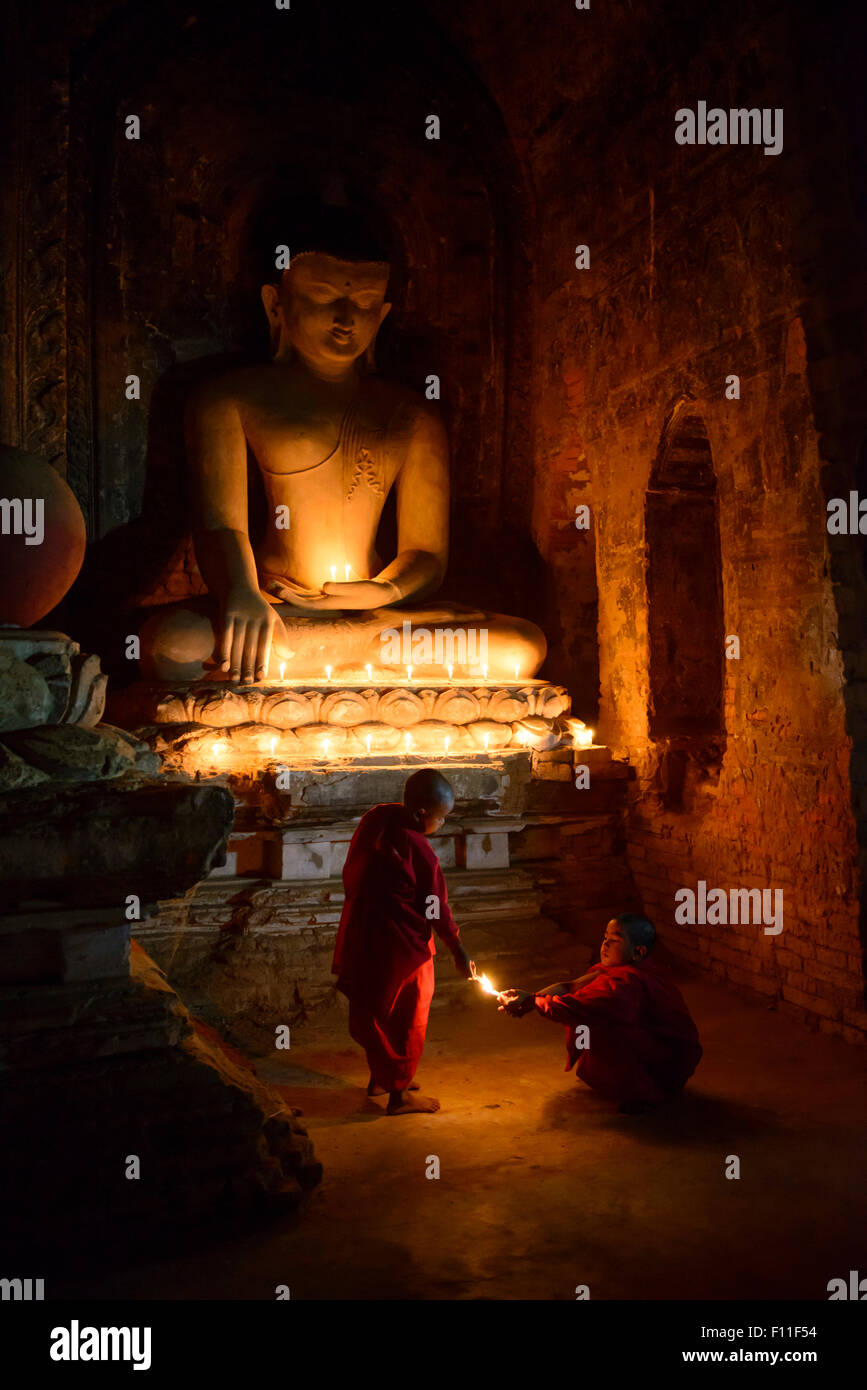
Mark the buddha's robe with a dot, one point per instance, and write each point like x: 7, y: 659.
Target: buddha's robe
x: 385, y: 945
x: 643, y: 1044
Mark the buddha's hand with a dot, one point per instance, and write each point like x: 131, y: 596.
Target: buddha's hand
x: 359, y: 594
x: 249, y: 630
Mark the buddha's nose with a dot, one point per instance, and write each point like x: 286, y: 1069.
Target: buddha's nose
x: 343, y: 315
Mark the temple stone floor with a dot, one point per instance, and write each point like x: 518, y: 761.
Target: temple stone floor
x: 543, y: 1187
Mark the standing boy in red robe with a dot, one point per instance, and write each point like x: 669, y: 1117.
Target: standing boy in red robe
x: 641, y: 1043
x: 395, y: 898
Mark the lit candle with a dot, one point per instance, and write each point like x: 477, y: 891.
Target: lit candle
x: 369, y: 670
x: 486, y: 740
x: 409, y: 673
x: 450, y: 669
x: 346, y: 572
x: 273, y: 745
x: 367, y: 741
x: 217, y: 748
x: 516, y: 673
x: 326, y: 746
x: 448, y: 741
x: 328, y: 673
x: 333, y: 573
x: 407, y: 739
x: 484, y: 673
x: 282, y: 670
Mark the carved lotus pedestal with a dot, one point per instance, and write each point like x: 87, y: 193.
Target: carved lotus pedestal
x: 210, y: 727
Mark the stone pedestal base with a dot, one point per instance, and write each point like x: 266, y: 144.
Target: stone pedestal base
x: 206, y: 726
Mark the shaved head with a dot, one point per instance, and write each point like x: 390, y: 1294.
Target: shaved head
x: 427, y: 789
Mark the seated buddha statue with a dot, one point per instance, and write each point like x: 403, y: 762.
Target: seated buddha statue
x: 331, y: 440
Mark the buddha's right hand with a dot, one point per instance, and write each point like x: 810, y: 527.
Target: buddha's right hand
x: 249, y: 628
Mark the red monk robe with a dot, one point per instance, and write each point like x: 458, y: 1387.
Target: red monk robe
x: 385, y: 945
x: 643, y: 1044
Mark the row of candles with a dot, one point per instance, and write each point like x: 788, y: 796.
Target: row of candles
x: 409, y: 670
x: 220, y: 746
x: 582, y: 738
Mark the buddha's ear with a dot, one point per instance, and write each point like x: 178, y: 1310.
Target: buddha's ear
x: 384, y: 311
x: 270, y: 299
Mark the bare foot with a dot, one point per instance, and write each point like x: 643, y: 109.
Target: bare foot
x: 374, y: 1089
x: 402, y: 1103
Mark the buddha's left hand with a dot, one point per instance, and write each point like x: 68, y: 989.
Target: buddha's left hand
x: 358, y: 594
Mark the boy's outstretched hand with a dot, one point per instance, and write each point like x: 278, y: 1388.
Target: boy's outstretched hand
x: 516, y: 1002
x: 463, y: 964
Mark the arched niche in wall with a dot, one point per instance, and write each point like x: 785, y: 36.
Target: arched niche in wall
x: 684, y: 591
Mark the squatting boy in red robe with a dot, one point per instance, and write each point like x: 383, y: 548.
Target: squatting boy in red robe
x: 641, y: 1043
x: 395, y: 898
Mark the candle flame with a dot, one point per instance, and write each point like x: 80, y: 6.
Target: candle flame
x: 484, y: 673
x: 217, y: 748
x: 328, y: 673
x: 346, y: 572
x: 273, y: 745
x: 486, y: 984
x: 369, y: 670
x: 516, y: 674
x: 326, y: 746
x: 367, y: 741
x: 582, y: 737
x: 450, y: 670
x: 282, y: 670
x: 448, y: 741
x: 409, y: 673
x: 407, y: 738
x: 487, y: 739
x: 333, y: 573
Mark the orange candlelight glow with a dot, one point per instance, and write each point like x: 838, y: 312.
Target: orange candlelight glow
x: 450, y: 669
x: 486, y: 985
x: 369, y: 670
x: 367, y: 741
x: 328, y: 673
x: 346, y: 572
x: 326, y: 746
x: 333, y: 573
x: 282, y: 670
x: 448, y: 741
x: 273, y: 745
x: 487, y: 739
x: 407, y: 740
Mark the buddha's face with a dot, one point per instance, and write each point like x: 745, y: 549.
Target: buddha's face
x: 329, y: 310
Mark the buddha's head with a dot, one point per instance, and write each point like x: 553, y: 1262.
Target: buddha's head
x: 328, y: 304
